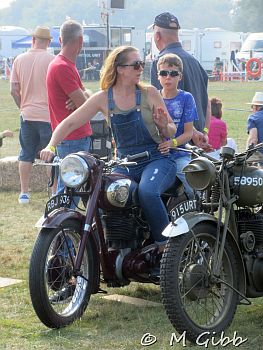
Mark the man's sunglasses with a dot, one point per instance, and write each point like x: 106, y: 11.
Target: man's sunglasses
x: 136, y: 65
x: 172, y: 73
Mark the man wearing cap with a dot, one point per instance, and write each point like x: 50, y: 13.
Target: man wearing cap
x: 255, y: 121
x: 194, y: 80
x: 28, y: 89
x: 66, y: 91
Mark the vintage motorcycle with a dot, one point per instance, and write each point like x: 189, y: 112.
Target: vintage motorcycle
x: 213, y: 260
x: 110, y: 242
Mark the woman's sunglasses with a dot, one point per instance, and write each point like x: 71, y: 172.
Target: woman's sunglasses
x: 172, y: 73
x: 136, y: 65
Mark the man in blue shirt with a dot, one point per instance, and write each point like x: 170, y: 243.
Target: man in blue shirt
x: 255, y: 121
x: 194, y: 80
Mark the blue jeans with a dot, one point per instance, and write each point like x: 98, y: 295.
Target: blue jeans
x: 154, y: 178
x: 181, y: 162
x: 67, y: 147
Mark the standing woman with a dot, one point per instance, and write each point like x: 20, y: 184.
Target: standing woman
x: 139, y: 121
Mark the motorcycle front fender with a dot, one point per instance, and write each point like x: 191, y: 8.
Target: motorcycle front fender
x: 57, y: 217
x: 185, y: 223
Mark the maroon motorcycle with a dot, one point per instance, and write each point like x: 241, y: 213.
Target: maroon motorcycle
x: 110, y: 242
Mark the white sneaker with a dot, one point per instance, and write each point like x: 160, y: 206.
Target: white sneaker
x: 23, y: 198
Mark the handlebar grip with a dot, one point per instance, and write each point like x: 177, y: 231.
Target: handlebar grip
x: 138, y: 156
x: 190, y: 147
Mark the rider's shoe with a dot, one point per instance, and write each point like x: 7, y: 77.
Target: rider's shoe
x: 63, y: 295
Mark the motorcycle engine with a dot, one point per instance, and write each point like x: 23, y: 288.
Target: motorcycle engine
x: 247, y: 221
x: 125, y: 228
x: 250, y: 229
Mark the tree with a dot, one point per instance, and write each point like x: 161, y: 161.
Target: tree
x: 248, y: 16
x: 191, y: 13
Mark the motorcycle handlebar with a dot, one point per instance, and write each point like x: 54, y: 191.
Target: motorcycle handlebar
x: 141, y: 155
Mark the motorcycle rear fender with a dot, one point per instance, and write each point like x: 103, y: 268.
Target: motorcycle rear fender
x: 187, y: 221
x: 57, y: 217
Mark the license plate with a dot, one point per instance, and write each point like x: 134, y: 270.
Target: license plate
x: 183, y: 208
x: 56, y: 202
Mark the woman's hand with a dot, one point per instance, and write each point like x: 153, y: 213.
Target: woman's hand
x: 46, y: 155
x: 160, y: 118
x: 165, y: 146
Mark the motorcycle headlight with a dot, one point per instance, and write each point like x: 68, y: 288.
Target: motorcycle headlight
x: 200, y: 173
x: 118, y: 192
x: 74, y: 171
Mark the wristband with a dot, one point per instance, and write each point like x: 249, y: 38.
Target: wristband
x: 206, y: 130
x: 51, y: 148
x: 174, y: 142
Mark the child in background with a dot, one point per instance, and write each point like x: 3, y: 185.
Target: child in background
x: 182, y: 109
x: 217, y: 134
x: 5, y: 133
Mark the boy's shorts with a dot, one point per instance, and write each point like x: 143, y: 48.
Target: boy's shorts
x: 33, y: 137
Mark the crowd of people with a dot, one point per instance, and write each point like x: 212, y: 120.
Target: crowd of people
x: 55, y: 110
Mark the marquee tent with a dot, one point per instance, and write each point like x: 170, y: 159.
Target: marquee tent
x: 27, y: 40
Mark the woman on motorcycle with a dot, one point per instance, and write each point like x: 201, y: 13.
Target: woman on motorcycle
x: 139, y: 121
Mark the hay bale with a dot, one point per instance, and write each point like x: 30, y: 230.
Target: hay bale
x: 9, y: 176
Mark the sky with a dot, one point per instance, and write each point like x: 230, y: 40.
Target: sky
x: 5, y: 3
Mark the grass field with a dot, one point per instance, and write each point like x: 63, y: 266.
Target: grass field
x: 106, y: 325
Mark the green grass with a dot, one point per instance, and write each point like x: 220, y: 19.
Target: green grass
x: 105, y: 325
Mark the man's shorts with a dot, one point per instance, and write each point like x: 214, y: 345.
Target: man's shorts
x: 33, y: 137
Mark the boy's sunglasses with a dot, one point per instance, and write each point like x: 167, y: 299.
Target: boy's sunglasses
x: 172, y: 73
x: 136, y: 65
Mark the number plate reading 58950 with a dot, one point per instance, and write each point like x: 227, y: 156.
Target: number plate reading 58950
x: 58, y: 201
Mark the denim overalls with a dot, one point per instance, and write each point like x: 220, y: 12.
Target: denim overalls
x: 154, y: 175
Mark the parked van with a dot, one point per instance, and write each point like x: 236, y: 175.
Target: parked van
x: 252, y: 47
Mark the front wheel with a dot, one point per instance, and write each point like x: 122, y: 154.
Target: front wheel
x: 196, y: 302
x: 57, y: 296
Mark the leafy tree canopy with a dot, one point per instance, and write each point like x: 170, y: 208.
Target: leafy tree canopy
x: 239, y: 15
x: 191, y: 13
x: 248, y: 15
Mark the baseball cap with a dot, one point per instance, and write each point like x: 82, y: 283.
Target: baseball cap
x: 166, y: 20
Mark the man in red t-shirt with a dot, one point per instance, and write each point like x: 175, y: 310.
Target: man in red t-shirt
x: 64, y: 86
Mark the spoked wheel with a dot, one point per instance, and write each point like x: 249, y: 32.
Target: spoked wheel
x: 194, y: 300
x: 57, y: 296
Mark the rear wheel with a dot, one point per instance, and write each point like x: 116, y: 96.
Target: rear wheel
x: 194, y: 300
x: 57, y: 296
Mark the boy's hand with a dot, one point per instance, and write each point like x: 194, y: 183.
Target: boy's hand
x: 164, y: 147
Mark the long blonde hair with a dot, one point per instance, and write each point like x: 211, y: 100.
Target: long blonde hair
x: 116, y: 58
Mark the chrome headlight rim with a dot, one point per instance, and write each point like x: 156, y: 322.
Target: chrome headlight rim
x: 70, y: 180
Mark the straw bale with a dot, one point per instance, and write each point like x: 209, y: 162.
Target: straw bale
x: 9, y: 176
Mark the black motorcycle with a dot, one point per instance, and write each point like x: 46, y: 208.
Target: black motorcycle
x: 214, y: 257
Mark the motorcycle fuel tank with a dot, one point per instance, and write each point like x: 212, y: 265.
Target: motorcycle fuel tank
x: 248, y: 185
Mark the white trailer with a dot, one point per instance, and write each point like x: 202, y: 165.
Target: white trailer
x: 205, y: 44
x: 216, y: 42
x: 8, y: 34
